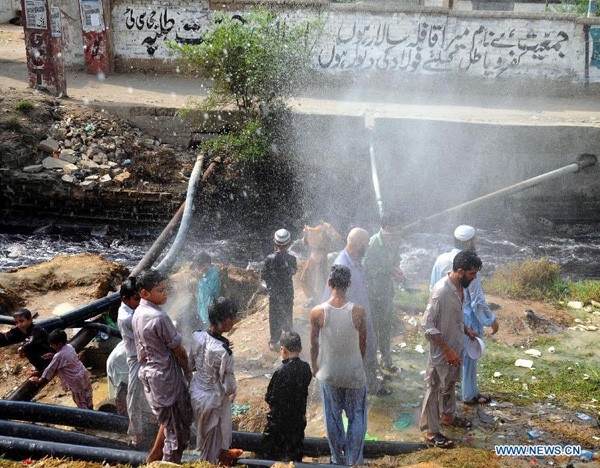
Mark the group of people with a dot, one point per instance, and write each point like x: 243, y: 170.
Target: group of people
x: 172, y: 387
x: 356, y: 318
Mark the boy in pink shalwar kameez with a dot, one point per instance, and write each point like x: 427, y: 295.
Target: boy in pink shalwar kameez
x: 73, y: 374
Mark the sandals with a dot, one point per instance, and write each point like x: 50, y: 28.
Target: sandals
x: 391, y: 369
x: 440, y: 441
x: 479, y: 400
x: 457, y: 421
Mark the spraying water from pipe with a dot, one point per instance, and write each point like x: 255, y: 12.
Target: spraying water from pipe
x: 370, y: 127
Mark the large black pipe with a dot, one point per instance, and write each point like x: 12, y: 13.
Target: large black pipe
x: 319, y: 447
x: 19, y: 449
x: 54, y: 414
x: 51, y: 434
x: 313, y: 447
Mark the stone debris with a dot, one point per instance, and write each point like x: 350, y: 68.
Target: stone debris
x: 533, y: 352
x: 49, y: 145
x: 88, y: 184
x: 527, y: 363
x: 100, y: 144
x: 54, y: 163
x: 69, y: 179
x: 33, y: 169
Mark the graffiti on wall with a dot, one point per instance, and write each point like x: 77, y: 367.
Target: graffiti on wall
x: 161, y: 24
x: 435, y: 47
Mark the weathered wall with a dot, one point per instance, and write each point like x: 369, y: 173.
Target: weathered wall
x: 360, y: 39
x: 7, y: 9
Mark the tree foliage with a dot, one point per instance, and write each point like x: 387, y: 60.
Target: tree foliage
x: 256, y: 60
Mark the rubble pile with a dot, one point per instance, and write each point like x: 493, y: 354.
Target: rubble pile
x: 97, y: 150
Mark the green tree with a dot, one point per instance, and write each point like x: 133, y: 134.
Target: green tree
x: 257, y: 60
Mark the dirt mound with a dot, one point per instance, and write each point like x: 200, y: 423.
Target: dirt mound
x: 10, y: 299
x: 83, y: 277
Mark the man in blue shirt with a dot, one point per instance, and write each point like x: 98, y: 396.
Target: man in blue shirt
x: 477, y: 313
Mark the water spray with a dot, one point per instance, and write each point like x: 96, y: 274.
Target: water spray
x: 370, y: 127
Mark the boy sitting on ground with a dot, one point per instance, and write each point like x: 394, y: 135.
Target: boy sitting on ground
x: 73, y: 374
x: 34, y: 338
x: 213, y: 386
x: 286, y: 395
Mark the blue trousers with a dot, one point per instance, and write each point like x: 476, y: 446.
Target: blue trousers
x: 346, y: 449
x: 468, y: 387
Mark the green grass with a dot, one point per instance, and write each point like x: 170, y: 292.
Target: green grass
x: 539, y: 279
x: 24, y: 106
x: 561, y: 377
x: 412, y: 300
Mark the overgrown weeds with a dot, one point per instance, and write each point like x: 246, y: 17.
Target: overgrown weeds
x: 24, y: 106
x: 539, y: 279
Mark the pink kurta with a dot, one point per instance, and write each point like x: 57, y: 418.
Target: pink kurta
x: 73, y: 375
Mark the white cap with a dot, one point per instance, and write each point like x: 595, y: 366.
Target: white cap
x: 464, y: 233
x: 282, y: 237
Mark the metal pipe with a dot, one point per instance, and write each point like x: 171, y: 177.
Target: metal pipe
x: 169, y: 260
x: 584, y: 161
x: 51, y: 434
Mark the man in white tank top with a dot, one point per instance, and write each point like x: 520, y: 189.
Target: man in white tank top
x: 338, y: 342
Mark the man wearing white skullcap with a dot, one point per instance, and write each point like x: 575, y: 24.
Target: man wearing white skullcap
x: 477, y: 313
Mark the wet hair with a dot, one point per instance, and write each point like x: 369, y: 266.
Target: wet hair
x: 391, y: 219
x: 148, y: 279
x: 291, y: 341
x: 128, y: 288
x: 339, y: 276
x: 201, y: 259
x: 57, y: 336
x: 466, y: 260
x: 221, y: 310
x: 25, y: 313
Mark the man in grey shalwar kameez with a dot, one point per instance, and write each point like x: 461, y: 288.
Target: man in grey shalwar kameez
x: 444, y: 328
x: 163, y: 368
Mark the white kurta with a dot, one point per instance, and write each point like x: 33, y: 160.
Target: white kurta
x: 211, y: 390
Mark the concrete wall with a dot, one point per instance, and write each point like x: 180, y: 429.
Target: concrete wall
x: 7, y: 9
x: 365, y: 39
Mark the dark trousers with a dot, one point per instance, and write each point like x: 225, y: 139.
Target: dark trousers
x: 283, y: 442
x: 382, y: 311
x: 280, y: 315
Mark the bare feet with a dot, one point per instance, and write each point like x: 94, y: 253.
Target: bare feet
x: 157, y: 451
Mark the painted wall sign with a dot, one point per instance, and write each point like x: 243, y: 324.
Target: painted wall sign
x: 141, y: 31
x: 55, y: 24
x: 36, y: 15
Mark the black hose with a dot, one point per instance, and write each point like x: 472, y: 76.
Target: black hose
x: 18, y: 449
x: 51, y: 434
x: 102, y: 327
x: 54, y: 414
x: 250, y: 441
